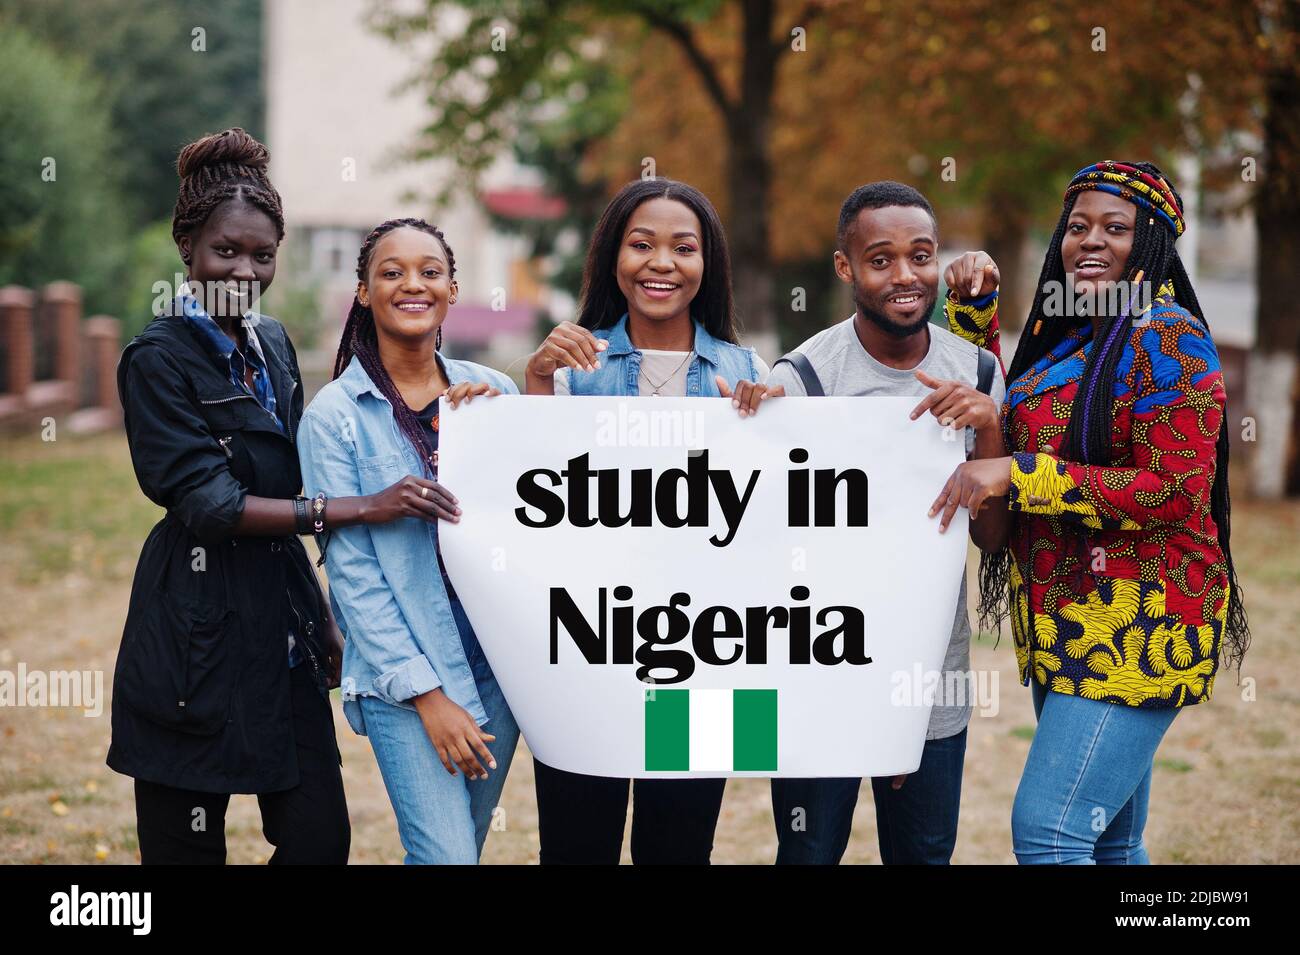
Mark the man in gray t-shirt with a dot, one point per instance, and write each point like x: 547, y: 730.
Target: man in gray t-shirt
x: 846, y: 368
x: 887, y: 242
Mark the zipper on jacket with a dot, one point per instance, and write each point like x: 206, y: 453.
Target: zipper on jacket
x: 305, y: 633
x: 225, y: 445
x: 288, y: 416
x: 221, y: 401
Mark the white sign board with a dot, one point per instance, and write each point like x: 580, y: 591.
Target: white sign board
x: 664, y: 588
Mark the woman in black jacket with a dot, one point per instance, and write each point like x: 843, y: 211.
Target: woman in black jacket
x: 229, y: 649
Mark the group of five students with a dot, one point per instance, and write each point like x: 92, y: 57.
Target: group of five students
x: 230, y: 645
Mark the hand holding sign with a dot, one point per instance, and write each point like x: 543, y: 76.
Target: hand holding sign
x: 748, y: 394
x: 970, y: 486
x: 466, y: 390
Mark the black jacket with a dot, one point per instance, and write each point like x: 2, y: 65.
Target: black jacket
x: 201, y: 689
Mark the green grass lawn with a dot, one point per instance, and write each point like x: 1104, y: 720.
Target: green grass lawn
x: 71, y: 506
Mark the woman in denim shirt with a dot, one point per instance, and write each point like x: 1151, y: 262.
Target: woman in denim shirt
x: 414, y: 678
x: 656, y: 318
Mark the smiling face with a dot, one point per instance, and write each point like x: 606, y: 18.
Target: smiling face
x: 1097, y: 241
x: 409, y: 285
x: 660, y: 262
x: 891, y: 264
x: 231, y: 258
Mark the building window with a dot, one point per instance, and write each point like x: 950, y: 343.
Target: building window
x: 333, y: 250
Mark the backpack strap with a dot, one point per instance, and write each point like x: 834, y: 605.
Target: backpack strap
x: 804, y: 369
x: 984, y: 376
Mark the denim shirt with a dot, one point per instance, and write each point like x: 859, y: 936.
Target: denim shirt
x: 385, y: 588
x: 620, y: 365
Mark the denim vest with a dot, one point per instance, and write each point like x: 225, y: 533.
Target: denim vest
x: 620, y: 365
x: 385, y: 589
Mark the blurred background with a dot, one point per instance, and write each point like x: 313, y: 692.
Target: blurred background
x: 510, y: 124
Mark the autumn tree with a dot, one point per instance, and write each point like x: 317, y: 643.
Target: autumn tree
x: 778, y: 109
x: 502, y: 65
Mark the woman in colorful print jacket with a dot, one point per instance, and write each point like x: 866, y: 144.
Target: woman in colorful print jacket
x: 1106, y: 525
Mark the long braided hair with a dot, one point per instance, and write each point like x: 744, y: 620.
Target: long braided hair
x: 220, y: 167
x: 1087, y: 438
x: 359, y: 336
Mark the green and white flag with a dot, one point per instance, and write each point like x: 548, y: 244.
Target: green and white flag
x: 710, y: 730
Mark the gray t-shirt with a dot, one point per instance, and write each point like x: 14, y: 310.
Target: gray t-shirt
x: 846, y: 369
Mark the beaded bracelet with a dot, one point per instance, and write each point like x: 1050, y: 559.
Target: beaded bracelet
x: 318, y: 513
x: 318, y: 525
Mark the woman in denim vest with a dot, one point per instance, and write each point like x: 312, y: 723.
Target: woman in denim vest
x: 655, y: 318
x: 415, y: 680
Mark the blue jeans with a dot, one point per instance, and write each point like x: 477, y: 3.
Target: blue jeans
x: 1083, y: 796
x: 442, y: 819
x: 917, y: 824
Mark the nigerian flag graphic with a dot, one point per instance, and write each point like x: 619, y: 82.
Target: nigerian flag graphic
x: 710, y: 730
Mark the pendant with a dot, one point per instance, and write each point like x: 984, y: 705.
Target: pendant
x: 654, y: 394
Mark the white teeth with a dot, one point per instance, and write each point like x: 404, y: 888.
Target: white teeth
x: 905, y: 300
x: 660, y: 286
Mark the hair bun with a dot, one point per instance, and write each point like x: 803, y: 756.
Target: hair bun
x: 232, y: 147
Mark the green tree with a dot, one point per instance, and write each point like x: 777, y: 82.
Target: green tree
x: 59, y: 175
x: 512, y: 60
x: 162, y: 82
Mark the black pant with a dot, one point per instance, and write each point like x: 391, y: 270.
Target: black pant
x: 308, y: 825
x: 581, y: 818
x: 916, y: 825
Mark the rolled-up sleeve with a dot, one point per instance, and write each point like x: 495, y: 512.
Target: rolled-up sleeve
x: 177, y: 459
x: 370, y: 616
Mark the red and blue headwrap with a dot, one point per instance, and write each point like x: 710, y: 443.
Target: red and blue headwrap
x: 1128, y: 182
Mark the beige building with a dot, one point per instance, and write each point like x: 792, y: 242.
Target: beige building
x: 337, y: 124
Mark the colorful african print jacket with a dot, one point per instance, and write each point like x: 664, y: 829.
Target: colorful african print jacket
x: 1132, y: 613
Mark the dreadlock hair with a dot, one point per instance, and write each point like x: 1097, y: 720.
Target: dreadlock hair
x: 359, y: 336
x: 602, y: 303
x: 218, y: 168
x: 1088, y: 436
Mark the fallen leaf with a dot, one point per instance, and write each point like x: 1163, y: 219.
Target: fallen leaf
x: 59, y: 808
